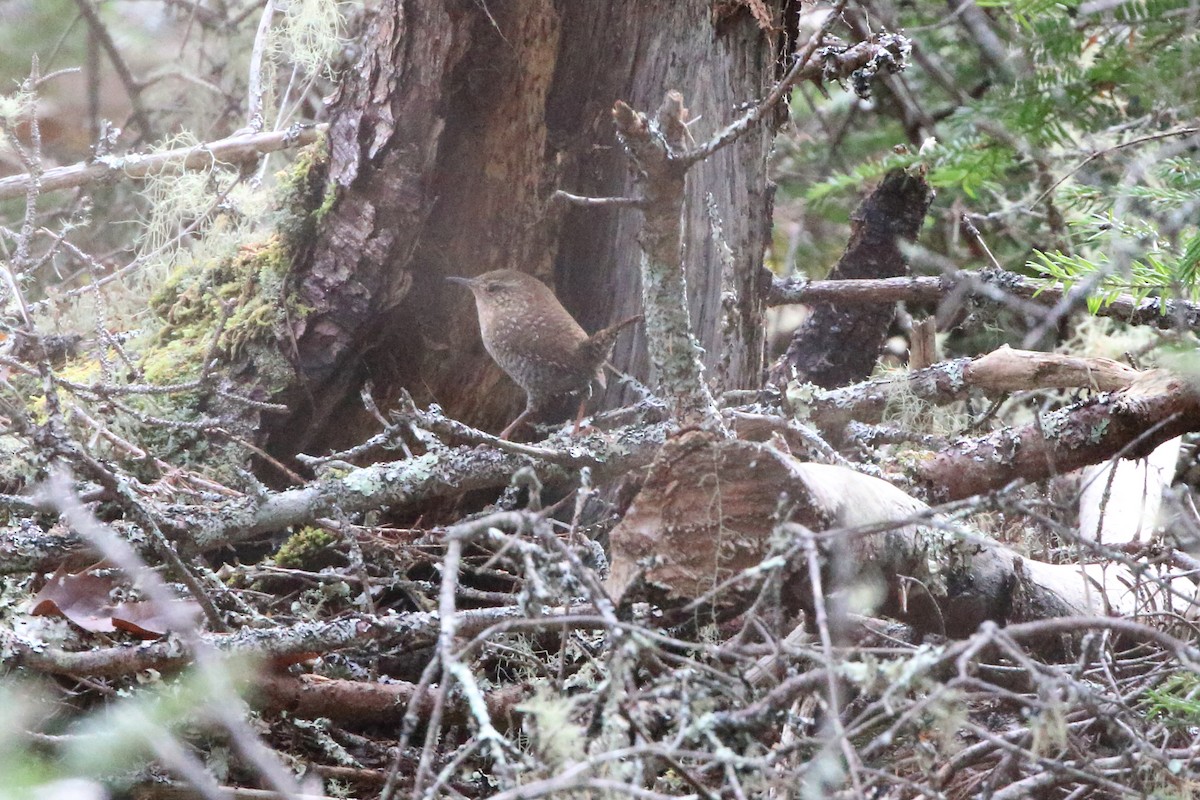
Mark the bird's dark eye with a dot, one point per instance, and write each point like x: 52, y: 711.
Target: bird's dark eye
x: 492, y: 288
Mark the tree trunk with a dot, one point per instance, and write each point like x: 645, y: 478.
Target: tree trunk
x: 446, y: 145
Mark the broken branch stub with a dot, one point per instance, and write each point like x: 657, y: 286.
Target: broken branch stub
x: 840, y: 345
x: 675, y: 354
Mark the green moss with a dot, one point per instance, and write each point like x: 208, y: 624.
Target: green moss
x: 174, y: 360
x: 242, y: 298
x: 246, y: 289
x: 326, y: 203
x: 251, y: 287
x: 304, y: 547
x: 84, y: 370
x: 306, y: 194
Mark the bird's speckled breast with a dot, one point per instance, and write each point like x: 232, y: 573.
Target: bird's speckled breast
x: 524, y: 347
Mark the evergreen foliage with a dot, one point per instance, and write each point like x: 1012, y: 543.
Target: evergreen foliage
x: 1076, y: 157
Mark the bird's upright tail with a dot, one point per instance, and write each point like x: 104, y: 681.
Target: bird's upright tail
x: 598, y: 347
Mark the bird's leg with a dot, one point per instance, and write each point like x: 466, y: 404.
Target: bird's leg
x: 584, y: 396
x: 516, y: 423
x: 579, y: 415
x: 530, y: 407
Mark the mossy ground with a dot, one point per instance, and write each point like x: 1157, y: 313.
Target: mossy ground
x: 305, y: 549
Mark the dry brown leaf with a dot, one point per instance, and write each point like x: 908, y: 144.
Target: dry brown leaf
x: 149, y: 620
x: 83, y: 598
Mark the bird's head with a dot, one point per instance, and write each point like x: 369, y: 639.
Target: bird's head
x: 503, y: 289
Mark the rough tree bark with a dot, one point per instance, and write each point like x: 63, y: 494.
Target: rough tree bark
x: 446, y: 144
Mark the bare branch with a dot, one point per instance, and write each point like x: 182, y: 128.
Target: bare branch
x: 998, y: 286
x: 1003, y: 370
x: 233, y: 150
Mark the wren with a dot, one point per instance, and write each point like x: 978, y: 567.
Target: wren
x: 537, y: 341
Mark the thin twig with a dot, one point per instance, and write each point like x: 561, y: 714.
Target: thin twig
x: 599, y: 202
x: 133, y: 87
x: 747, y: 121
x: 1107, y: 150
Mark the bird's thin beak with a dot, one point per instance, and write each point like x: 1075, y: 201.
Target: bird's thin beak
x: 467, y: 282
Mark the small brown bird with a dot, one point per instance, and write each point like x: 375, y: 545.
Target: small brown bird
x: 535, y: 340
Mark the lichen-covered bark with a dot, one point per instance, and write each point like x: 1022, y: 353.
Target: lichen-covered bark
x: 1131, y: 423
x: 676, y: 359
x: 399, y: 486
x: 648, y: 48
x: 1002, y: 370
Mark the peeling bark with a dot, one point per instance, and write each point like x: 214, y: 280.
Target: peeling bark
x: 706, y: 512
x: 1157, y: 407
x: 1120, y: 499
x: 386, y: 128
